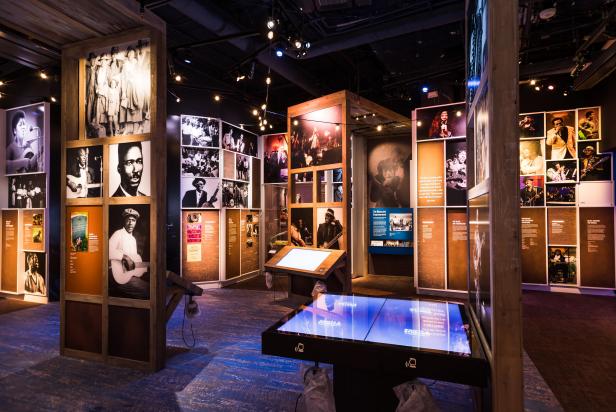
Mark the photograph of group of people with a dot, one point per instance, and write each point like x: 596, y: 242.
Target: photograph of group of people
x: 239, y: 140
x: 441, y: 122
x: 200, y: 193
x: 129, y: 251
x: 242, y: 167
x: 25, y: 140
x: 117, y: 90
x: 560, y: 195
x: 562, y: 264
x: 200, y: 131
x: 200, y: 162
x: 27, y: 191
x: 316, y: 138
x: 276, y: 158
x: 84, y: 172
x: 234, y: 194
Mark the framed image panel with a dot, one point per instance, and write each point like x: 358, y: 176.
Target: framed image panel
x: 531, y: 191
x: 595, y: 166
x: 197, y: 162
x: 562, y: 226
x: 560, y: 135
x: 199, y: 192
x: 561, y: 194
x: 531, y: 125
x: 234, y: 194
x: 27, y: 191
x: 441, y: 122
x: 35, y: 273
x: 301, y: 229
x: 595, y: 194
x: 457, y: 249
x: 8, y: 271
x: 239, y: 140
x: 562, y: 265
x: 589, y: 123
x: 118, y: 90
x: 301, y: 187
x: 455, y: 169
x: 316, y: 138
x: 249, y: 221
x: 83, y: 251
x: 430, y: 174
x: 25, y: 140
x: 200, y: 131
x: 33, y: 235
x: 84, y: 172
x: 389, y: 171
x: 597, y: 247
x: 200, y: 248
x: 276, y: 158
x: 431, y: 248
x: 531, y: 157
x: 129, y: 251
x: 561, y: 171
x: 533, y: 253
x: 242, y: 167
x: 329, y: 228
x: 129, y: 169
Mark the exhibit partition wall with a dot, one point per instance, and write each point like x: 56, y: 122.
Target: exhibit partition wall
x: 494, y: 294
x: 567, y: 202
x: 220, y: 193
x: 439, y: 138
x: 114, y: 207
x: 24, y: 215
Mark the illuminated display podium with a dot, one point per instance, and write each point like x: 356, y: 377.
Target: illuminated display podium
x: 305, y: 266
x: 377, y: 343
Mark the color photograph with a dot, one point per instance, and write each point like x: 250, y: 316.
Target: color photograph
x: 276, y: 158
x: 329, y: 228
x: 531, y: 125
x: 441, y: 122
x: 455, y: 172
x: 531, y: 191
x: 560, y: 195
x: 594, y: 166
x: 589, y: 123
x: 79, y: 231
x: 561, y: 171
x: 531, y: 157
x: 560, y: 135
x: 301, y: 227
x: 562, y: 264
x: 316, y: 138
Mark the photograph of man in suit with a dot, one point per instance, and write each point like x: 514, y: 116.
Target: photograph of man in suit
x: 130, y: 168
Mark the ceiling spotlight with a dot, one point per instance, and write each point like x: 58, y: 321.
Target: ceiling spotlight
x: 187, y: 60
x: 270, y: 34
x: 271, y: 127
x: 263, y: 106
x: 551, y: 87
x: 217, y: 98
x: 418, y: 123
x: 295, y: 122
x: 260, y: 118
x: 303, y: 53
x: 268, y: 80
x: 373, y: 114
x: 1, y: 83
x: 271, y: 23
x: 307, y: 45
x: 255, y: 112
x: 240, y: 77
x: 0, y: 95
x: 458, y: 113
x: 279, y: 52
x: 177, y: 100
x: 424, y: 89
x: 533, y: 82
x: 178, y: 78
x: 53, y: 99
x: 565, y: 93
x: 297, y: 44
x: 262, y: 128
x: 264, y: 121
x: 379, y: 128
x: 537, y: 88
x: 43, y: 75
x: 547, y: 14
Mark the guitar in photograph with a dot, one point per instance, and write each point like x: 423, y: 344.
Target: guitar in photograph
x: 122, y: 272
x: 75, y: 188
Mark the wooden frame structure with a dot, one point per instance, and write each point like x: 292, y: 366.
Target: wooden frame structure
x: 94, y: 325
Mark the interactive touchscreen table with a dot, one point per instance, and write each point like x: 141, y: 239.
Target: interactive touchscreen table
x: 382, y: 340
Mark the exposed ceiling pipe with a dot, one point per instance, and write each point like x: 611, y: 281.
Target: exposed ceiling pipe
x: 423, y: 21
x: 217, y: 24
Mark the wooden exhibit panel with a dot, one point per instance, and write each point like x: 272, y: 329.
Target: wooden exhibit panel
x: 431, y: 248
x: 232, y: 243
x: 200, y: 251
x: 228, y: 164
x: 33, y: 230
x: 129, y: 331
x: 9, y: 250
x: 457, y: 249
x: 533, y: 246
x: 597, y: 247
x: 562, y: 226
x: 430, y: 174
x: 83, y: 249
x: 249, y: 235
x: 256, y: 183
x: 84, y: 326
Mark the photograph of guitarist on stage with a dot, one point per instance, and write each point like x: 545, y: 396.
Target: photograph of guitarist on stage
x: 595, y: 166
x: 531, y: 192
x: 129, y: 251
x: 84, y: 169
x: 329, y: 233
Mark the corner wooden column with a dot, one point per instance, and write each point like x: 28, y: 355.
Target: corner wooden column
x: 89, y: 312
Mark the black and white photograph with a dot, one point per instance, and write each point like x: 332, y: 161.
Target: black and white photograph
x: 562, y: 264
x: 34, y: 266
x: 200, y: 193
x: 441, y: 122
x: 561, y: 171
x: 455, y: 172
x: 531, y: 157
x: 239, y: 140
x: 118, y: 90
x: 389, y: 172
x: 200, y: 131
x: 242, y: 167
x: 594, y: 166
x: 84, y: 172
x: 276, y: 158
x: 25, y: 140
x: 129, y: 251
x: 532, y: 191
x: 560, y: 195
x: 129, y: 169
x: 316, y: 138
x: 329, y: 228
x: 301, y: 227
x: 482, y: 139
x: 589, y: 124
x: 199, y: 162
x: 560, y: 135
x: 234, y: 194
x: 400, y: 222
x: 27, y: 191
x: 531, y: 125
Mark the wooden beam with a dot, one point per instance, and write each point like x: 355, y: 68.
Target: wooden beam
x: 132, y: 8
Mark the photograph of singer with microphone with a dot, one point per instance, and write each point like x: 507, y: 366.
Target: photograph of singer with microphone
x: 25, y: 151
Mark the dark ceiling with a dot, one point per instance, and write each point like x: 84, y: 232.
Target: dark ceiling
x: 385, y: 50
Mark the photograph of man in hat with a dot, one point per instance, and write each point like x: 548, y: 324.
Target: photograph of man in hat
x: 328, y: 231
x: 129, y: 272
x: 198, y: 197
x: 130, y: 169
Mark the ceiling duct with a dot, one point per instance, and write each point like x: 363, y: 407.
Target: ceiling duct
x: 600, y: 68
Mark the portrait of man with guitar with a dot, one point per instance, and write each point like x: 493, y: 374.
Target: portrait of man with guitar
x: 198, y: 197
x: 329, y: 232
x: 531, y: 195
x: 130, y: 278
x: 594, y: 166
x: 81, y: 179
